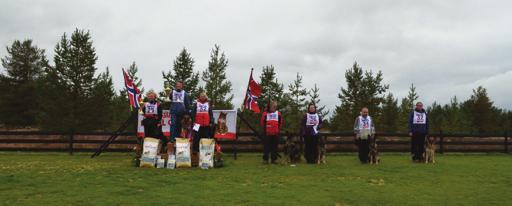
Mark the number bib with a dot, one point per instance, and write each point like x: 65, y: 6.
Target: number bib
x: 419, y: 118
x: 312, y: 119
x: 151, y: 108
x: 178, y: 96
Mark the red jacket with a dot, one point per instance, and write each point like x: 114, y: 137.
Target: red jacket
x: 272, y: 123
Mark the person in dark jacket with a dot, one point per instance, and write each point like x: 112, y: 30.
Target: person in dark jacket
x: 418, y: 130
x: 152, y: 116
x: 202, y: 115
x: 271, y: 123
x: 311, y: 123
x: 180, y: 104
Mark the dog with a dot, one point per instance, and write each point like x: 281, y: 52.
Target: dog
x: 373, y: 155
x: 291, y: 150
x: 222, y: 126
x: 321, y: 150
x: 186, y: 127
x: 430, y: 150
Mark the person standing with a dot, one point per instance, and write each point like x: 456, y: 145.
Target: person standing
x: 271, y: 122
x: 418, y: 130
x: 202, y: 115
x: 363, y: 129
x: 311, y: 123
x: 180, y: 103
x: 152, y: 116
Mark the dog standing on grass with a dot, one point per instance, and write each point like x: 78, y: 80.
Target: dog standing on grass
x: 430, y: 150
x: 373, y: 155
x: 321, y: 150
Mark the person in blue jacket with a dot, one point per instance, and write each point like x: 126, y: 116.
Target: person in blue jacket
x: 418, y: 130
x: 180, y: 104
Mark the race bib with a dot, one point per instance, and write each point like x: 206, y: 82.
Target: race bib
x: 419, y: 118
x: 312, y: 119
x: 202, y: 107
x: 272, y: 116
x: 178, y: 96
x: 151, y: 108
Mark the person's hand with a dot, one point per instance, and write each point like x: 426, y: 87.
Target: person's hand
x: 410, y: 134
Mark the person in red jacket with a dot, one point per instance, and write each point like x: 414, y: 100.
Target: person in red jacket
x: 271, y: 122
x: 203, y: 120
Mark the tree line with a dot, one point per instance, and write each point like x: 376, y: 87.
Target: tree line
x: 69, y: 94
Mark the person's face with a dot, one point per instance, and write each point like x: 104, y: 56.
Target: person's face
x: 202, y: 97
x: 419, y: 106
x: 273, y: 107
x: 179, y: 85
x: 311, y: 108
x: 364, y: 112
x: 151, y: 96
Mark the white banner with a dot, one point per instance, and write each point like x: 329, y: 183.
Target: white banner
x: 166, y: 123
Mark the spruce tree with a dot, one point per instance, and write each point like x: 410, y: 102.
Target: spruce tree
x: 364, y: 89
x: 271, y: 89
x: 390, y: 112
x: 483, y: 111
x: 72, y: 81
x: 314, y: 97
x: 217, y: 86
x: 183, y: 70
x: 406, y: 107
x: 297, y: 107
x: 24, y: 65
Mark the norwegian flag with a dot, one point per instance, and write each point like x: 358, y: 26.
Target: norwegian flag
x: 251, y: 97
x: 133, y: 92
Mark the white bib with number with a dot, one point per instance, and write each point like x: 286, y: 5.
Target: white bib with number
x: 178, y: 96
x: 272, y: 116
x: 151, y: 108
x: 312, y: 119
x: 419, y: 118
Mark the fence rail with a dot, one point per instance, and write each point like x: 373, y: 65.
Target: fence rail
x: 246, y: 142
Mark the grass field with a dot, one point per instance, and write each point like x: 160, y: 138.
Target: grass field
x: 61, y: 179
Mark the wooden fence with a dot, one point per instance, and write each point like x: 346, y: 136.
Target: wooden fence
x: 246, y: 142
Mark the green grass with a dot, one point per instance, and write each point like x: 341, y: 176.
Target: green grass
x: 61, y: 179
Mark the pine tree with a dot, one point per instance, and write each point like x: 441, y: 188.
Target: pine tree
x: 297, y: 104
x: 72, y: 81
x: 24, y: 65
x: 436, y: 117
x: 217, y: 86
x: 271, y: 89
x: 483, y: 111
x: 390, y: 112
x: 102, y: 102
x: 183, y: 70
x: 314, y: 97
x: 364, y: 89
x: 406, y: 106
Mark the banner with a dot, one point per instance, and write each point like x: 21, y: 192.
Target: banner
x: 140, y: 127
x: 226, y: 124
x: 166, y: 123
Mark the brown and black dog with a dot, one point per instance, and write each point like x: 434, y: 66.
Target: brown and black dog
x: 322, y: 150
x: 373, y: 155
x: 430, y: 150
x: 292, y: 150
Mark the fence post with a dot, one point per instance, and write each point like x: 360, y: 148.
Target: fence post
x: 441, y: 140
x: 71, y: 137
x: 506, y: 142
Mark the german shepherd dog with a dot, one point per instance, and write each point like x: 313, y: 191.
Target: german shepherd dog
x: 321, y: 149
x: 430, y: 150
x: 186, y: 126
x: 291, y: 150
x: 373, y: 155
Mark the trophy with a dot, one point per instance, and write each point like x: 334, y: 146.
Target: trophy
x: 167, y: 91
x: 141, y: 105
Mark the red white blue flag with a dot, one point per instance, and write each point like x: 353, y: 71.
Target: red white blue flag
x: 251, y: 97
x: 133, y: 92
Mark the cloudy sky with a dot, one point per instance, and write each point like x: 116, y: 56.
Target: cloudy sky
x: 445, y: 48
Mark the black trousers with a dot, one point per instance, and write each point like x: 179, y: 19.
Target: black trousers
x: 417, y: 146
x: 270, y: 147
x: 311, y: 148
x: 364, y: 149
x: 204, y: 132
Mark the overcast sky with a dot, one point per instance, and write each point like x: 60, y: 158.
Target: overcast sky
x: 445, y: 48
